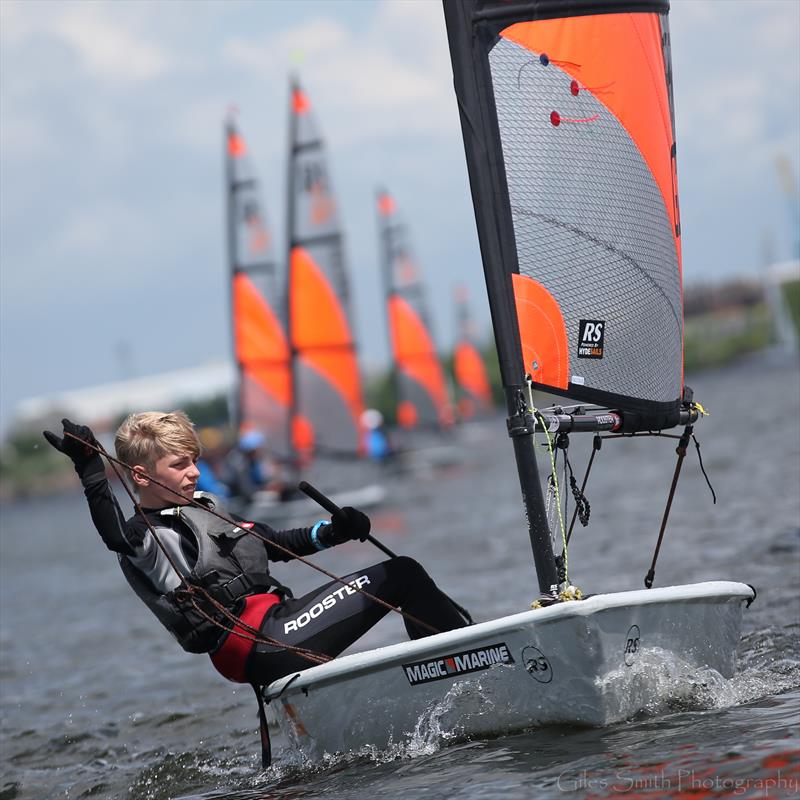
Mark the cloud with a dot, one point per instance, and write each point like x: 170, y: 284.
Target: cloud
x: 736, y: 80
x: 390, y: 79
x: 112, y: 47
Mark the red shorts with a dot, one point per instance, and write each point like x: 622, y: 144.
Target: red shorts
x: 230, y: 660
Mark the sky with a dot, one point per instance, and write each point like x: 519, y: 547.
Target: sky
x: 112, y: 249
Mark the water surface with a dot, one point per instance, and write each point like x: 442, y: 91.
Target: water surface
x: 98, y: 701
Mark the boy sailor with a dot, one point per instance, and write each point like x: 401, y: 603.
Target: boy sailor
x: 176, y: 541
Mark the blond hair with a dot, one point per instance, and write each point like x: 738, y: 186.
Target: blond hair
x: 144, y: 438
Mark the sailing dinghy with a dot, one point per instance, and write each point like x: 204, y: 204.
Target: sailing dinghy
x: 422, y: 399
x: 567, y: 121
x: 321, y: 394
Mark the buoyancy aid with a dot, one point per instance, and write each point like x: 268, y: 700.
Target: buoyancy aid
x: 231, y: 564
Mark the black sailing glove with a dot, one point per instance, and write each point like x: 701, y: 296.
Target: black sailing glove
x: 346, y: 524
x: 86, y: 460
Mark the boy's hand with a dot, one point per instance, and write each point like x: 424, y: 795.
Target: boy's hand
x: 81, y: 455
x: 346, y: 524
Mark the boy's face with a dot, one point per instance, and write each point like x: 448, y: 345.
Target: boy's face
x: 178, y: 472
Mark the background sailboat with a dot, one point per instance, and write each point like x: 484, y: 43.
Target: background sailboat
x: 299, y: 380
x: 473, y: 390
x: 423, y: 405
x: 261, y: 351
x: 422, y: 399
x: 327, y: 402
x: 567, y: 125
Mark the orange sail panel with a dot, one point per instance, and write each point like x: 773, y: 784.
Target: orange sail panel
x: 470, y: 374
x: 469, y: 370
x: 321, y: 334
x: 260, y: 342
x: 416, y: 358
x: 543, y: 335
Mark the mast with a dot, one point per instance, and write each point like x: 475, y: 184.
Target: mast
x: 383, y: 203
x: 290, y: 245
x: 496, y: 236
x: 230, y: 207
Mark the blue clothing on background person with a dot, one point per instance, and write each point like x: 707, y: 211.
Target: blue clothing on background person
x: 208, y: 480
x: 377, y: 445
x: 376, y: 441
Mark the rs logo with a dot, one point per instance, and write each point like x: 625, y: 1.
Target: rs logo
x: 593, y: 332
x: 537, y: 664
x: 631, y: 645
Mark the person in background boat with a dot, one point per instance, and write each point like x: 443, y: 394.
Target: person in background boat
x: 246, y: 471
x: 375, y: 436
x: 175, y: 540
x: 210, y: 462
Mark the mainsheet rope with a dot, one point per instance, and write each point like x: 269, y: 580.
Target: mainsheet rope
x: 115, y: 461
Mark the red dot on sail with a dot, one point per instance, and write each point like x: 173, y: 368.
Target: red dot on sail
x: 555, y: 118
x: 573, y: 87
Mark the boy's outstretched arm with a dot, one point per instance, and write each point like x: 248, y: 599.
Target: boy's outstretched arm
x: 103, y: 506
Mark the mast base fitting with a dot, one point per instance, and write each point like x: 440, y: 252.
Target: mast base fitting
x: 545, y: 600
x: 521, y: 425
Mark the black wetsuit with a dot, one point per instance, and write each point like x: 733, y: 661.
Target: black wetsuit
x: 326, y: 620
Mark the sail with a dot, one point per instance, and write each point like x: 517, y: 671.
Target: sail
x: 568, y: 126
x: 260, y: 348
x: 472, y: 382
x: 421, y: 389
x: 327, y: 386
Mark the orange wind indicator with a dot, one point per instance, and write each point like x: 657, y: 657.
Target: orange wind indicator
x: 386, y: 204
x: 300, y: 102
x: 236, y: 145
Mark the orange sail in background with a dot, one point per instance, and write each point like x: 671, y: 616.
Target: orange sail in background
x: 327, y: 403
x: 421, y: 390
x: 260, y: 347
x: 472, y: 382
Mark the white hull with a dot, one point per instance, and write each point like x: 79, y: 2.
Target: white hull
x: 582, y: 663
x: 267, y: 506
